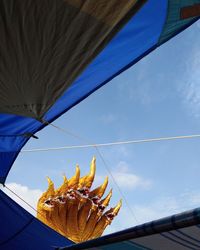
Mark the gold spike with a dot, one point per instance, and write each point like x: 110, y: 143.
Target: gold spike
x: 42, y: 210
x: 91, y: 176
x: 99, y: 191
x: 105, y: 202
x: 74, y: 181
x: 87, y: 180
x: 63, y: 188
x: 74, y: 215
x: 117, y: 208
x: 50, y: 191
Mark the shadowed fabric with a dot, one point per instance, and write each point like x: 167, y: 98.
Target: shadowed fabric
x: 46, y: 44
x: 190, y: 11
x: 174, y: 18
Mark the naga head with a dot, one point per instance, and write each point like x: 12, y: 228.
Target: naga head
x: 76, y: 211
x: 46, y: 201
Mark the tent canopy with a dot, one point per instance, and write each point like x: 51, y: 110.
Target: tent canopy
x: 54, y: 53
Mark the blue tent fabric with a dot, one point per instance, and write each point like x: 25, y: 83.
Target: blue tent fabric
x: 21, y: 230
x: 177, y: 232
x: 155, y: 23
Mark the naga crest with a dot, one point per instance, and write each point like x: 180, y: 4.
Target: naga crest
x: 76, y: 211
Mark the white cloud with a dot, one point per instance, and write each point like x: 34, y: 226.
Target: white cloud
x: 125, y: 178
x: 131, y: 181
x: 31, y: 196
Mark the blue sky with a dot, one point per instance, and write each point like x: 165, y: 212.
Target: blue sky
x: 157, y: 97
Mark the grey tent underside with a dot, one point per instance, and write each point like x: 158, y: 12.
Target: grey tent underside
x: 45, y: 45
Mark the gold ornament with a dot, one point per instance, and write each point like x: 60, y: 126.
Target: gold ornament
x: 75, y: 211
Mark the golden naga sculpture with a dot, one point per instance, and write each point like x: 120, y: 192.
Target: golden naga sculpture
x: 74, y: 210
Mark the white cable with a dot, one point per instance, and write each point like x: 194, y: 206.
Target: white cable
x: 113, y: 143
x: 80, y: 138
x: 108, y: 144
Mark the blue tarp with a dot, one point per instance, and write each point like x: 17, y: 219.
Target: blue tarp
x: 22, y: 231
